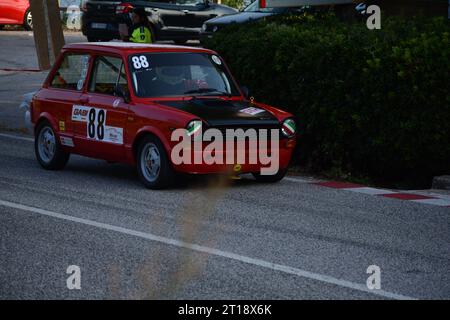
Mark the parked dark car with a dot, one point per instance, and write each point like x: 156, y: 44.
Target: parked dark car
x: 177, y: 20
x: 254, y: 12
x: 250, y: 13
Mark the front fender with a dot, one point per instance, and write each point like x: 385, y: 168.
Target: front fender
x: 48, y: 117
x: 131, y: 154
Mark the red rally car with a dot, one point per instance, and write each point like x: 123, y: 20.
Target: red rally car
x: 122, y: 102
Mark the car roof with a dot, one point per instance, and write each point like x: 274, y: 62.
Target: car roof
x: 127, y: 47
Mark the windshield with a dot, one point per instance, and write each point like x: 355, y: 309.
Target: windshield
x: 180, y: 74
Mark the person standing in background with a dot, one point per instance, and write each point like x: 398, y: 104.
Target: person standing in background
x: 139, y: 32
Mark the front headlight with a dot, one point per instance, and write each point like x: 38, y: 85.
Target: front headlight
x: 204, y: 27
x: 194, y: 128
x: 215, y: 28
x: 288, y: 128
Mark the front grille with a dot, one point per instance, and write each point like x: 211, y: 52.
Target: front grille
x: 245, y: 128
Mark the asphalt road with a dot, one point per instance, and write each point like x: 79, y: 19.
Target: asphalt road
x: 130, y: 242
x: 205, y: 238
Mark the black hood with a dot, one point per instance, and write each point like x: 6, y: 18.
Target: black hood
x: 223, y: 113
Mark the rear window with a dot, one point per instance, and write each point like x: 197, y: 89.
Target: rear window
x: 72, y: 72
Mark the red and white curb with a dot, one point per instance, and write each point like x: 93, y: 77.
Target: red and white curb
x: 414, y: 196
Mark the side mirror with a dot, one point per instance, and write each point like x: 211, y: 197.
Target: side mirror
x: 206, y: 3
x: 120, y: 91
x: 245, y: 92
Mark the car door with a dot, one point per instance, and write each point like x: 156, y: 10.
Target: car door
x: 101, y: 119
x: 169, y: 15
x: 195, y: 13
x: 64, y: 91
x: 188, y: 10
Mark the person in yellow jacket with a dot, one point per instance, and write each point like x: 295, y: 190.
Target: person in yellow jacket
x: 139, y: 32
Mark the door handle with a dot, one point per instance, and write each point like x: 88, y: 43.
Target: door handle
x: 185, y: 11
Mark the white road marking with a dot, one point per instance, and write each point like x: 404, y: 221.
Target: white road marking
x: 12, y: 136
x: 436, y: 202
x: 211, y: 251
x: 300, y: 180
x: 368, y: 190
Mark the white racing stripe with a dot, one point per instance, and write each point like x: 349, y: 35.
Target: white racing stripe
x: 211, y: 251
x: 12, y: 136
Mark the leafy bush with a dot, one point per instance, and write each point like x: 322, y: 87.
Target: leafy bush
x: 373, y: 104
x: 238, y: 4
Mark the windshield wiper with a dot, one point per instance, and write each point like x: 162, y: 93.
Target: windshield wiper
x: 202, y: 91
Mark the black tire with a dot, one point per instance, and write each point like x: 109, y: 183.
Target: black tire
x: 28, y: 21
x: 2, y: 26
x: 165, y: 175
x: 59, y: 158
x: 270, y: 178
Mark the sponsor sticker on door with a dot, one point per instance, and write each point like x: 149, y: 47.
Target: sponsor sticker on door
x: 113, y: 135
x: 66, y: 141
x: 80, y: 113
x: 96, y: 128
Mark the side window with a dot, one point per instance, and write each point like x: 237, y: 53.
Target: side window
x: 72, y: 72
x: 106, y: 74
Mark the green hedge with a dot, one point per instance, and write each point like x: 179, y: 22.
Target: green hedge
x: 370, y: 104
x: 238, y: 4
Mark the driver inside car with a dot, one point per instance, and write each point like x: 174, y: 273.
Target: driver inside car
x: 170, y: 79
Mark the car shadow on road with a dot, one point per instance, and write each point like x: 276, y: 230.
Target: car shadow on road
x: 127, y: 175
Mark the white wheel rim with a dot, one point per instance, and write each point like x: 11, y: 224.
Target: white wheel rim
x: 46, y: 144
x: 30, y: 19
x: 150, y: 162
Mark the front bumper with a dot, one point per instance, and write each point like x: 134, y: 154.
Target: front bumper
x: 284, y: 158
